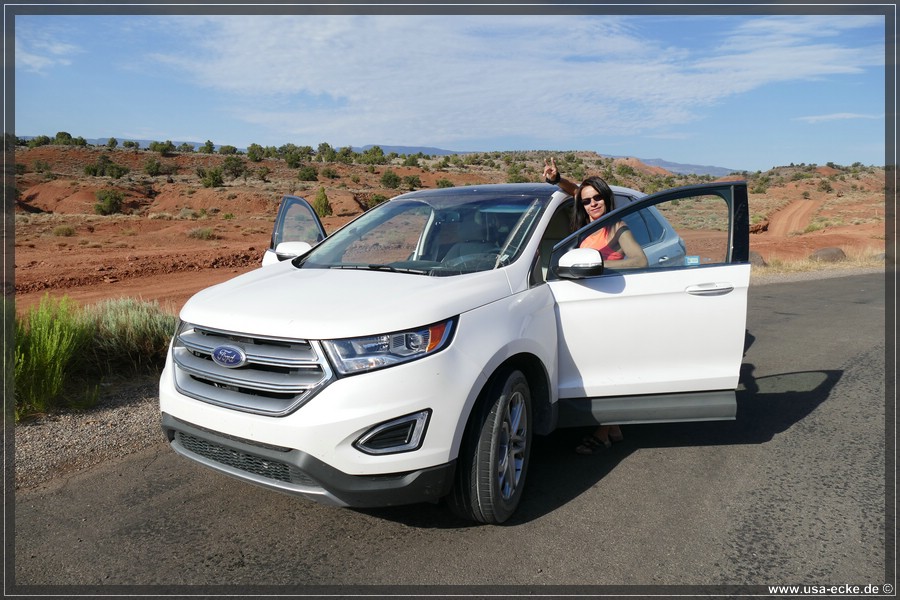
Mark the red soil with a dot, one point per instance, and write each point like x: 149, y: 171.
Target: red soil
x: 62, y: 247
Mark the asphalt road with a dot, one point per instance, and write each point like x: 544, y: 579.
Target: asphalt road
x: 792, y: 492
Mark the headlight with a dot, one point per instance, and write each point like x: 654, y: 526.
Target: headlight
x: 356, y: 355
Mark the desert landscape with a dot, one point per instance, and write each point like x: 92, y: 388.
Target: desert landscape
x: 173, y: 236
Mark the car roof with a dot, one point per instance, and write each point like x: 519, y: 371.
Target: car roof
x: 486, y: 190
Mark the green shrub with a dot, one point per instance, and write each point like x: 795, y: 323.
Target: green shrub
x: 376, y: 199
x: 104, y: 167
x: 50, y: 342
x: 389, y: 179
x: 412, y: 181
x: 211, y: 177
x: 329, y: 173
x: 163, y: 148
x: 108, y: 202
x: 293, y: 159
x: 62, y: 352
x: 255, y: 152
x: 308, y: 173
x: 321, y: 204
x: 233, y: 166
x: 154, y: 167
x: 444, y: 183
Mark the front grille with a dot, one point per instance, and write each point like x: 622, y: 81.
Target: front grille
x: 243, y: 461
x: 277, y: 377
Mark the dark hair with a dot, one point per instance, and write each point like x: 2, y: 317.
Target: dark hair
x: 579, y: 212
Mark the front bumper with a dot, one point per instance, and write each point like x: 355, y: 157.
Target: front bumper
x: 296, y: 472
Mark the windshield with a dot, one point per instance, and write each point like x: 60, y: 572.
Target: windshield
x: 438, y: 235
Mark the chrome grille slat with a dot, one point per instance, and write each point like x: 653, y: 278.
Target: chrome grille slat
x: 294, y: 355
x: 297, y: 381
x: 278, y: 377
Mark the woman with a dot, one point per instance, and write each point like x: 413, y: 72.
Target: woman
x: 617, y: 246
x: 615, y: 242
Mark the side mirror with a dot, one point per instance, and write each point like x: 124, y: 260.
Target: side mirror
x: 579, y: 263
x: 285, y: 251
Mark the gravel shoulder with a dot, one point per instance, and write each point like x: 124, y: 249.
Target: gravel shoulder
x: 127, y: 419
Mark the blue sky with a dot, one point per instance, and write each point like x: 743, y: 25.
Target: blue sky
x: 743, y: 92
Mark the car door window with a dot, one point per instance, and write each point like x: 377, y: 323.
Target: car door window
x: 684, y: 231
x: 297, y: 222
x: 701, y: 223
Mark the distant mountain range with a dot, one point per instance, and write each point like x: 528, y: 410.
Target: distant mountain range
x: 682, y: 169
x: 678, y: 168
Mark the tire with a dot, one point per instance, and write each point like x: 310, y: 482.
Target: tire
x: 496, y: 447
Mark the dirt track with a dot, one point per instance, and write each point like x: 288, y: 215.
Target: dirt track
x: 794, y: 218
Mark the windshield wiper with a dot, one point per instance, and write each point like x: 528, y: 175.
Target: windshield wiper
x: 376, y: 267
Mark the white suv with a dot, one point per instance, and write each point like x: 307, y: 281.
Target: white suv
x: 412, y: 354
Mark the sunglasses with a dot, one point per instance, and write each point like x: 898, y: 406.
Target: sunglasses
x: 597, y: 198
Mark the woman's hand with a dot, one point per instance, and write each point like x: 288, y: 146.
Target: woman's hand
x: 551, y: 173
x: 552, y: 176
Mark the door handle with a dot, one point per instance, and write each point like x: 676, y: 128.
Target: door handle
x: 710, y: 289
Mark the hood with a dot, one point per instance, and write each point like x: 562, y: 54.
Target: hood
x: 284, y: 301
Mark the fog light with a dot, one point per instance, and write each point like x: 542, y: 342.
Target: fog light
x: 403, y: 434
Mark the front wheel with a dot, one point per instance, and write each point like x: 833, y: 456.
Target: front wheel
x: 493, y: 459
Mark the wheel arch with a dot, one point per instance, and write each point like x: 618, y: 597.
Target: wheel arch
x: 543, y: 409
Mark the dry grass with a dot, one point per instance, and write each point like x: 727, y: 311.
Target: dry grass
x: 856, y: 259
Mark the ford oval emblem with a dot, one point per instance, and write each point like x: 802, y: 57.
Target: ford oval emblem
x: 230, y: 357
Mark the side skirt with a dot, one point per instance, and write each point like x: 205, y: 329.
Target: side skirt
x: 659, y: 408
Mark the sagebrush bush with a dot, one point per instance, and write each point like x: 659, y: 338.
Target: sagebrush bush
x: 129, y: 335
x: 203, y: 233
x: 63, y: 231
x: 63, y: 351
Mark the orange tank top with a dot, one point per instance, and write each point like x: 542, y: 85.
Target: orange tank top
x: 599, y: 240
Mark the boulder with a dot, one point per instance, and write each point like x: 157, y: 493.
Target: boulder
x: 757, y: 260
x: 828, y: 255
x: 759, y: 227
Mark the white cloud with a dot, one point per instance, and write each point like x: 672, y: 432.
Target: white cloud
x: 38, y: 56
x: 813, y: 119
x: 449, y: 78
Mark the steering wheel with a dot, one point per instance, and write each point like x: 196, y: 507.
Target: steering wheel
x: 480, y: 261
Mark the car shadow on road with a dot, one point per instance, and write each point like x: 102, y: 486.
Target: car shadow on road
x: 766, y: 406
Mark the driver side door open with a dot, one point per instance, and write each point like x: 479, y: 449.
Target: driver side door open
x: 296, y: 223
x: 665, y: 342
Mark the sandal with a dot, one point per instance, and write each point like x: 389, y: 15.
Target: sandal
x: 615, y: 435
x: 591, y: 444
